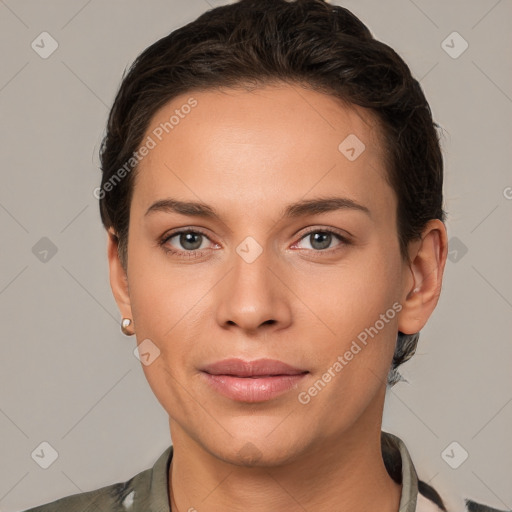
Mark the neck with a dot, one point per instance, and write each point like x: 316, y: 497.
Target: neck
x: 345, y: 472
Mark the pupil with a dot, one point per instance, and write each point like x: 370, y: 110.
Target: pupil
x: 326, y: 240
x: 186, y: 239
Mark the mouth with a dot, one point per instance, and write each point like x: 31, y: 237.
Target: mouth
x: 252, y: 381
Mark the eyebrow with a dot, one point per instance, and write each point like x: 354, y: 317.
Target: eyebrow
x: 299, y: 209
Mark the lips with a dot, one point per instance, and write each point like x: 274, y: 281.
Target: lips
x: 260, y: 380
x: 257, y: 368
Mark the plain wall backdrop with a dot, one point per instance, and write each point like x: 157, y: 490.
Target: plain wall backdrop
x: 69, y: 377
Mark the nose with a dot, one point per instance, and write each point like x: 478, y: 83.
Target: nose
x: 254, y: 295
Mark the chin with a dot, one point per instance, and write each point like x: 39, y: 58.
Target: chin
x: 257, y: 451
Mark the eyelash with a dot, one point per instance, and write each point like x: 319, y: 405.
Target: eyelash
x: 197, y: 253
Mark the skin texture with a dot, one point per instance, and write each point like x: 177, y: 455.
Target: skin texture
x: 249, y: 154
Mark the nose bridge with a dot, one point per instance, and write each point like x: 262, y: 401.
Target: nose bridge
x: 252, y: 294
x: 251, y: 264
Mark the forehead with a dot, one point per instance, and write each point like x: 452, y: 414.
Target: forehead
x: 271, y: 145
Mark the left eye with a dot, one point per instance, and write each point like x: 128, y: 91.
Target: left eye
x: 321, y: 239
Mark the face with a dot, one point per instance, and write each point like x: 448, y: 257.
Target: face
x: 259, y: 279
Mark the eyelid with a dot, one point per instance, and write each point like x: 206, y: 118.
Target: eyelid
x: 343, y: 236
x: 178, y: 231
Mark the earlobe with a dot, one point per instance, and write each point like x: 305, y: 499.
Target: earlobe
x: 118, y: 277
x: 421, y: 292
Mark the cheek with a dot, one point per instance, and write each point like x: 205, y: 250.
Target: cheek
x: 161, y: 294
x: 358, y: 305
x: 353, y: 295
x: 165, y: 308
x: 162, y: 306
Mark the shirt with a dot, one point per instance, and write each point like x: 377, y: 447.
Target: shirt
x: 148, y: 491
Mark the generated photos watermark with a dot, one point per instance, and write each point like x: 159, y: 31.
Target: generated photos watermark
x: 150, y: 143
x: 304, y: 397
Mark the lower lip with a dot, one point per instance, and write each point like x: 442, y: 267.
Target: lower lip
x: 253, y: 389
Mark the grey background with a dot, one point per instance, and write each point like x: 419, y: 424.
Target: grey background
x: 69, y: 377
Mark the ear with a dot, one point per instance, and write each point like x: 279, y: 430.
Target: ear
x: 118, y: 277
x: 423, y: 277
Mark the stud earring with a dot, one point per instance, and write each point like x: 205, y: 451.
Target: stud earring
x: 125, y: 327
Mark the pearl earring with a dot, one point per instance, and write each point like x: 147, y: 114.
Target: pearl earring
x: 125, y: 327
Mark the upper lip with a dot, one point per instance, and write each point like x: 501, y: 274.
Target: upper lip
x: 258, y: 367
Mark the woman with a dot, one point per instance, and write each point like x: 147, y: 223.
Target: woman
x: 272, y: 191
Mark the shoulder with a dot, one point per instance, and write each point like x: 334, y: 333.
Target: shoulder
x: 146, y: 490
x: 115, y: 497
x: 473, y: 506
x: 428, y: 499
x: 399, y: 464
